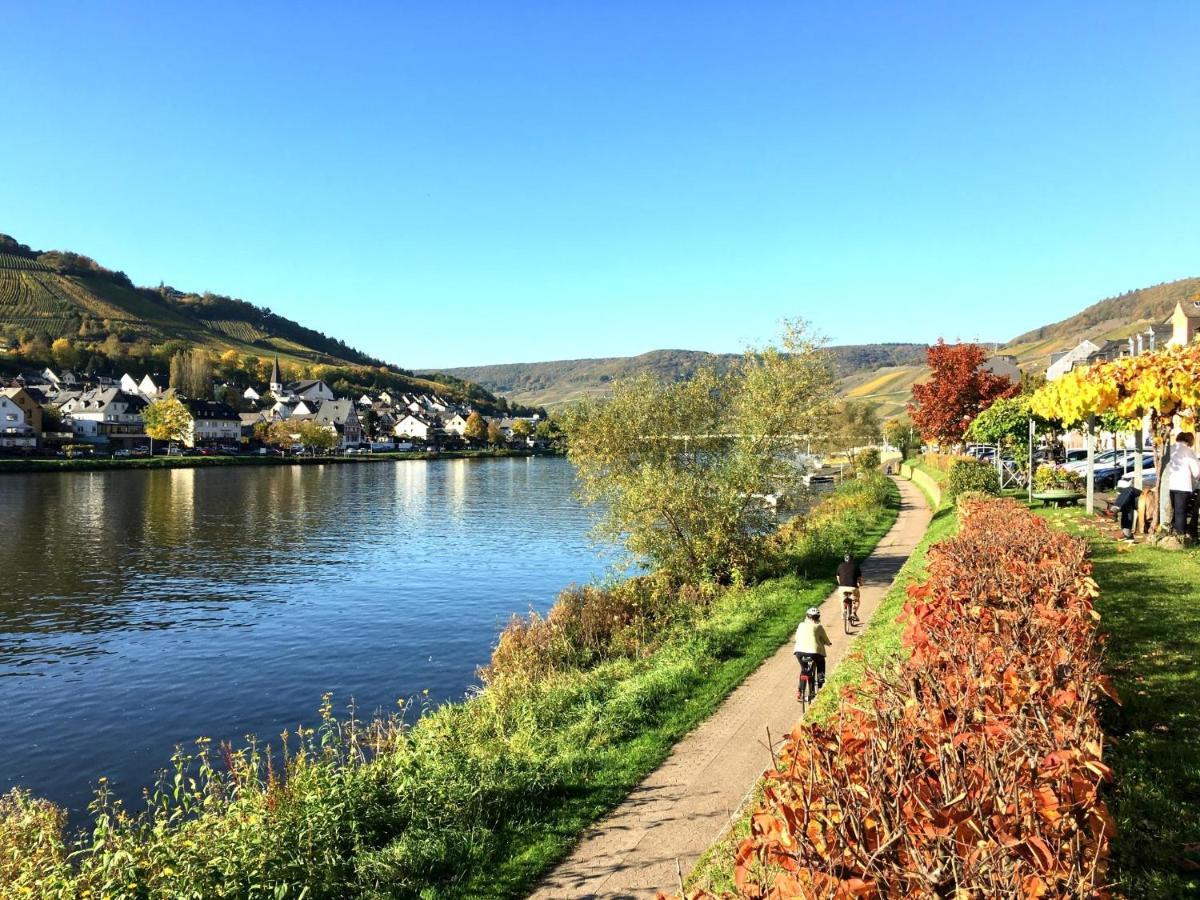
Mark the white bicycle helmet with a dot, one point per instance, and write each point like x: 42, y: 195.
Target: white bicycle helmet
x: 814, y: 613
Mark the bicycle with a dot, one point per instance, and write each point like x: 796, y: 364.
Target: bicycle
x: 806, y: 688
x: 849, y: 614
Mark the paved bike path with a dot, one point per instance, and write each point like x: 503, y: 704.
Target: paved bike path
x: 676, y: 813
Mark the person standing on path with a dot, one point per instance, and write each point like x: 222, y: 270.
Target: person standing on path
x: 1183, y: 472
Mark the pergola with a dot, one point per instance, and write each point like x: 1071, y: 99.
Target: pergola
x: 1162, y: 385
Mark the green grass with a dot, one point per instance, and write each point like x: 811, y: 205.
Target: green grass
x: 1150, y: 607
x: 877, y: 647
x: 98, y: 463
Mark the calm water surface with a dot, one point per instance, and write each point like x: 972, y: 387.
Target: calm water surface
x: 139, y: 610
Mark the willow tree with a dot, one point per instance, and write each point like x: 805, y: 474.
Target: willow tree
x: 680, y: 469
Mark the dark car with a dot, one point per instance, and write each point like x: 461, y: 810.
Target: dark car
x: 1107, y: 476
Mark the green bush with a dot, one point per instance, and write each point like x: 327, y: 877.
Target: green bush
x: 972, y: 475
x: 1052, y: 478
x: 867, y: 460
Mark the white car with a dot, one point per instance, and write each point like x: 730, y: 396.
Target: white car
x: 1107, y: 458
x: 1149, y: 480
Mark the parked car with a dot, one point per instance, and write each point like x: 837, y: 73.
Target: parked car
x: 1149, y: 479
x: 1107, y: 458
x: 122, y: 453
x: 1109, y: 476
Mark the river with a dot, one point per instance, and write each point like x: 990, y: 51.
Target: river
x: 142, y: 609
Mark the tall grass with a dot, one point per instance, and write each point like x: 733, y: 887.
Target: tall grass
x: 475, y: 798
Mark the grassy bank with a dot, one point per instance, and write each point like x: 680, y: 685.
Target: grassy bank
x: 475, y: 800
x: 106, y: 463
x: 1150, y: 607
x: 878, y: 647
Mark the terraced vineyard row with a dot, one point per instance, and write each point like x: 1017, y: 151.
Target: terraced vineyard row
x: 21, y: 294
x: 8, y: 261
x: 96, y: 306
x: 238, y: 330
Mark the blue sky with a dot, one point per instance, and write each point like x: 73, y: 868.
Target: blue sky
x: 452, y: 184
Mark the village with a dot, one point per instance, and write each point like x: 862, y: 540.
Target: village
x: 51, y: 413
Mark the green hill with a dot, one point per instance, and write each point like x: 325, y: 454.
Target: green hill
x: 1111, y: 318
x: 558, y: 382
x: 107, y: 323
x: 882, y: 374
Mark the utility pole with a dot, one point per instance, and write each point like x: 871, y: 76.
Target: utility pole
x: 1030, y: 478
x: 1091, y: 464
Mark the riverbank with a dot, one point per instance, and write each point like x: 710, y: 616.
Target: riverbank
x: 106, y: 463
x: 477, y: 798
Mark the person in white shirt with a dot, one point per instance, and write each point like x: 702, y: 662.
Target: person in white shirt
x: 811, y: 641
x: 1183, y: 472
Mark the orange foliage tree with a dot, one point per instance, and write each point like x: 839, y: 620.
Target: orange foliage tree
x: 960, y: 389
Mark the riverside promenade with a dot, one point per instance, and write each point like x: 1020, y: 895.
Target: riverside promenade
x: 682, y: 807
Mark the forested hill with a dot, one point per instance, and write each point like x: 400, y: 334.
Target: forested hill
x: 65, y: 309
x: 562, y: 381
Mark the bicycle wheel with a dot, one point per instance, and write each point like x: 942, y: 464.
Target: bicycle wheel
x: 847, y: 615
x: 803, y: 691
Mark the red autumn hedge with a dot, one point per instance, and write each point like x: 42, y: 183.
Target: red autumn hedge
x: 975, y: 770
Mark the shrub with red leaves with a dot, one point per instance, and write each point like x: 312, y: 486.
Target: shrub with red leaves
x: 974, y: 771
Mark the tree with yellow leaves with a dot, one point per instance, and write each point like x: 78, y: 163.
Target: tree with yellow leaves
x: 1161, y: 385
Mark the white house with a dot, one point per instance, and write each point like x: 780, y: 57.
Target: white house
x: 212, y: 423
x: 1061, y: 363
x: 311, y: 390
x: 251, y: 394
x: 106, y: 416
x: 151, y: 386
x: 128, y: 384
x: 454, y: 424
x: 366, y: 400
x: 412, y: 426
x: 14, y: 430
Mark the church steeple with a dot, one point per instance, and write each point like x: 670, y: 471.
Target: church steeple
x: 276, y: 381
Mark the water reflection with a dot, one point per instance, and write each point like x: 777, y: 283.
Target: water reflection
x: 146, y: 608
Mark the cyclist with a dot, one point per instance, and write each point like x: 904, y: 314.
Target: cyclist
x: 811, y: 641
x: 850, y: 579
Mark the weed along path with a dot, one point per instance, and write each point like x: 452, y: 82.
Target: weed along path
x: 673, y: 816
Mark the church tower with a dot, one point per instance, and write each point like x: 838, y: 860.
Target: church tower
x: 276, y: 381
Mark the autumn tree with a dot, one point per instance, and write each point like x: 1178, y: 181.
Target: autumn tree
x: 167, y: 420
x: 64, y: 353
x: 960, y: 388
x: 191, y: 374
x: 521, y: 430
x: 476, y: 428
x: 279, y: 435
x: 495, y: 436
x: 314, y: 437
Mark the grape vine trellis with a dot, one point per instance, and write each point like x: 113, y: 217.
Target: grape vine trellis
x: 1162, y: 385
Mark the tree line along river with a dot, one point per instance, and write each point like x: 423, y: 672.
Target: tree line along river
x: 144, y: 609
